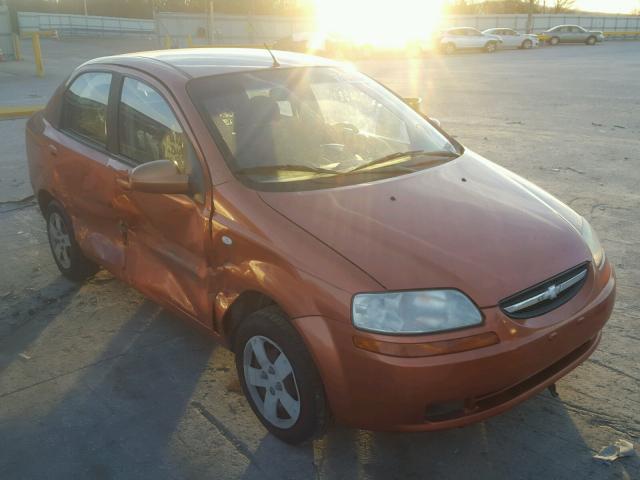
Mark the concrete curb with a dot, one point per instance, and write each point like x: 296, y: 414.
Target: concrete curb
x: 19, y: 111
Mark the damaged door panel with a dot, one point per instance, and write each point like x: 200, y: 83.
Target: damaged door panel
x: 167, y: 235
x: 82, y: 165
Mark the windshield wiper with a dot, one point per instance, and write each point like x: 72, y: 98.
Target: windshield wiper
x: 408, y: 154
x: 284, y: 167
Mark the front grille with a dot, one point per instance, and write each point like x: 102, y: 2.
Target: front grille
x: 546, y: 296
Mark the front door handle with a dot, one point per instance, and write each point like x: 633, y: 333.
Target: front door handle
x: 53, y: 150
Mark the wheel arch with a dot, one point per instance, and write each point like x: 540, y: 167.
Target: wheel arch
x: 44, y: 198
x: 243, y: 305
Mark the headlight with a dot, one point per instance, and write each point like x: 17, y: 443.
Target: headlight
x: 592, y: 241
x: 414, y: 312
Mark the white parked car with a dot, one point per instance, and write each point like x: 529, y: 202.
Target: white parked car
x: 466, y: 38
x: 512, y: 39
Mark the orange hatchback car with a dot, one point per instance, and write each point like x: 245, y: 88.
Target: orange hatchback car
x: 360, y: 262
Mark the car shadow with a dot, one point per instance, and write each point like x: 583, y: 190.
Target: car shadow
x: 115, y: 416
x: 537, y: 439
x: 25, y: 317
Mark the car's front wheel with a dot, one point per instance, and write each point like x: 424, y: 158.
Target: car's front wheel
x: 591, y: 40
x: 527, y: 44
x: 279, y: 378
x: 65, y: 250
x: 490, y: 47
x: 450, y: 48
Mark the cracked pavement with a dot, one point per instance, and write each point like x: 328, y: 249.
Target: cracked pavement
x: 96, y: 381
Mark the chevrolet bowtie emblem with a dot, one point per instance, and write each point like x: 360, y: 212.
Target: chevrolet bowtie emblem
x: 552, y: 292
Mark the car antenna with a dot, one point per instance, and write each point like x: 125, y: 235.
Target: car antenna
x: 275, y: 64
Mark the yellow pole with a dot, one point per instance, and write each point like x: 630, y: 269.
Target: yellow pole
x: 17, y: 47
x: 37, y: 53
x: 167, y: 41
x: 189, y: 41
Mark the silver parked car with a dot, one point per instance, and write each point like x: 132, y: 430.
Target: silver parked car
x: 464, y: 38
x: 512, y: 39
x: 572, y: 34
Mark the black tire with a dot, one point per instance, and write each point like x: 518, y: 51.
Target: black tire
x: 527, y: 44
x: 78, y: 267
x: 490, y: 47
x: 554, y: 41
x: 449, y: 48
x: 313, y: 416
x: 591, y: 40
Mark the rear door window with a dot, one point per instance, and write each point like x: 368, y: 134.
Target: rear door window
x: 84, y: 107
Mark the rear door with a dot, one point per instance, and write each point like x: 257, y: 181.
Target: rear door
x: 511, y: 38
x: 167, y: 236
x: 83, y: 170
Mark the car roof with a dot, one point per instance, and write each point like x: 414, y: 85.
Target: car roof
x: 202, y: 62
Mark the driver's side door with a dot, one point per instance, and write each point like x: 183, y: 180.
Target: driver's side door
x: 167, y: 236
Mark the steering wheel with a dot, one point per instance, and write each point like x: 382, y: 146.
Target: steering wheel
x: 350, y: 127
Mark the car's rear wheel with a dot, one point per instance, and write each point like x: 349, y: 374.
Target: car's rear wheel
x: 450, y: 48
x: 279, y: 378
x: 65, y: 250
x: 554, y: 41
x: 591, y: 40
x: 527, y: 44
x: 490, y: 47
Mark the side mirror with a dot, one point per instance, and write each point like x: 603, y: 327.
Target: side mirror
x: 413, y: 102
x: 159, y: 176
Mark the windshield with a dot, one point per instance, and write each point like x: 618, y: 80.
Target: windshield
x: 309, y: 128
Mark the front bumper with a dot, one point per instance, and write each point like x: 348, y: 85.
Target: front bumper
x: 378, y: 392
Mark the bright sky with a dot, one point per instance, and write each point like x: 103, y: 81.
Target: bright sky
x: 610, y: 6
x: 403, y: 21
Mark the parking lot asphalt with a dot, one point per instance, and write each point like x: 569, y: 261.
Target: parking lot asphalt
x: 98, y: 382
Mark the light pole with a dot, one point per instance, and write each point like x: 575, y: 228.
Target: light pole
x: 212, y: 32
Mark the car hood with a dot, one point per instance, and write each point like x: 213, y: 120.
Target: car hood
x: 467, y: 224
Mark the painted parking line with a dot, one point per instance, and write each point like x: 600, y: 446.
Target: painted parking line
x: 19, y: 111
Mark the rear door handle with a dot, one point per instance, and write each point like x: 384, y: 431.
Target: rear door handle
x: 53, y: 150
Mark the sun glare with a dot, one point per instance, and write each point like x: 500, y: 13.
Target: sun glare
x: 380, y: 24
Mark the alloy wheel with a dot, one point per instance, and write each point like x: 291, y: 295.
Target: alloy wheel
x: 271, y: 382
x: 59, y: 239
